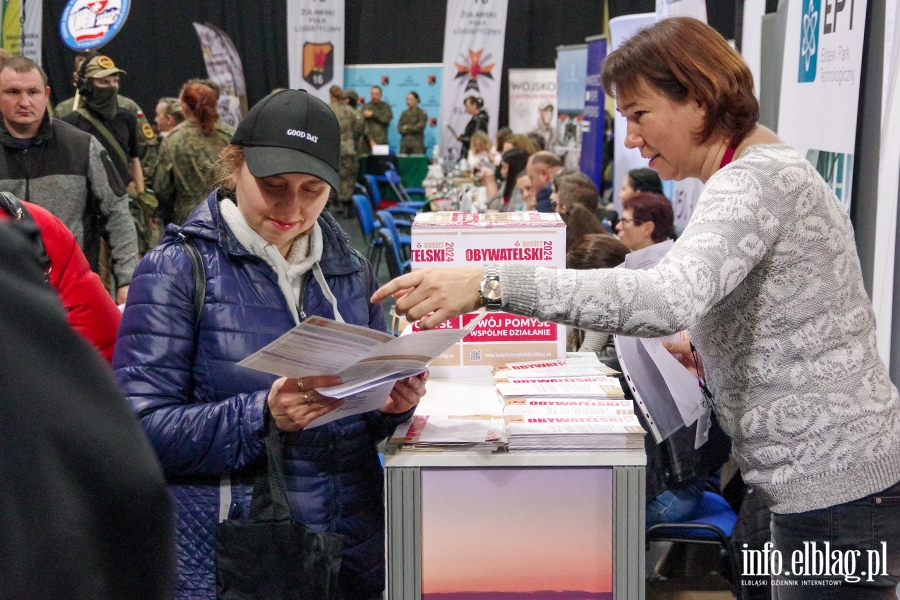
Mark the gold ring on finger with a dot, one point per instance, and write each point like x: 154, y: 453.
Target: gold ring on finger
x: 300, y: 383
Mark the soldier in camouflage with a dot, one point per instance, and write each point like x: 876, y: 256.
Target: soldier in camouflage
x: 186, y: 173
x: 377, y: 115
x: 412, y: 126
x: 351, y: 99
x: 351, y: 125
x: 148, y: 145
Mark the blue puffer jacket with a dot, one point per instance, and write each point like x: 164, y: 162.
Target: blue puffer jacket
x: 205, y: 415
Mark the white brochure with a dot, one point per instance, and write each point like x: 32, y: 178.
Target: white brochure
x: 367, y: 361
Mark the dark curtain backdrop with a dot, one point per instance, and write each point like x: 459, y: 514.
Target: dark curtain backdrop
x: 159, y: 48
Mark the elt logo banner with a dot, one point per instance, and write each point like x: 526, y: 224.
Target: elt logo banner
x: 809, y: 40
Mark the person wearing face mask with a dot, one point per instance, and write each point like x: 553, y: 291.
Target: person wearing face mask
x: 100, y: 115
x: 271, y: 256
x: 116, y: 128
x: 147, y: 140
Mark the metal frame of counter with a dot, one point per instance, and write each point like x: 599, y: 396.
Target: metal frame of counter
x: 403, y: 500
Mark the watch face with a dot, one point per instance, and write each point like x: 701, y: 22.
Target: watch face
x: 492, y: 290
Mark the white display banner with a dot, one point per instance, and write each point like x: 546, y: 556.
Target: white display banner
x: 315, y: 45
x: 15, y: 40
x: 620, y: 29
x: 532, y: 102
x: 686, y: 192
x: 473, y: 62
x: 751, y: 38
x: 886, y: 215
x: 820, y: 86
x: 223, y: 66
x: 681, y: 8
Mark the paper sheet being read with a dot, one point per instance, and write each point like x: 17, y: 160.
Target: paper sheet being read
x: 367, y: 361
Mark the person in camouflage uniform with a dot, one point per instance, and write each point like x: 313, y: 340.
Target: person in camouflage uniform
x: 351, y: 124
x: 351, y: 99
x: 412, y: 126
x: 148, y: 144
x: 185, y: 174
x: 377, y: 115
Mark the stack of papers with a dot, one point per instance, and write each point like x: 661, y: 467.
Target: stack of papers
x: 567, y: 405
x: 434, y: 433
x: 574, y: 433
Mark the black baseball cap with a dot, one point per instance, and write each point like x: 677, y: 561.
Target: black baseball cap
x: 291, y: 131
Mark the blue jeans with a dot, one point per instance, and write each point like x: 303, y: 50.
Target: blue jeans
x: 863, y: 550
x: 677, y: 504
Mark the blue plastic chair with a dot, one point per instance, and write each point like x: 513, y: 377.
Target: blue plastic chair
x: 713, y: 525
x: 396, y: 265
x: 375, y: 197
x: 403, y: 193
x: 369, y: 228
x: 403, y: 241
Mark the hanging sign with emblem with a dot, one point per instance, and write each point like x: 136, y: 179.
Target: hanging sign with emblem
x: 316, y: 45
x: 318, y: 64
x: 87, y: 24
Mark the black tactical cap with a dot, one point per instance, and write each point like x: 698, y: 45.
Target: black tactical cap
x: 291, y: 132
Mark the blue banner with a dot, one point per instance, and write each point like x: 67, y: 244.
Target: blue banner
x: 571, y: 69
x: 593, y: 128
x: 396, y: 81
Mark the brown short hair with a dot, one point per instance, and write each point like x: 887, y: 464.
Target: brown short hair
x: 20, y: 64
x: 577, y: 188
x: 682, y: 58
x: 645, y: 206
x: 548, y: 159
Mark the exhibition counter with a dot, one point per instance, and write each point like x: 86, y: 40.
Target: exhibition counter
x: 477, y: 522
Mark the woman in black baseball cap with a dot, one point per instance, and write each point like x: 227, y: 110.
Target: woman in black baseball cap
x: 270, y: 257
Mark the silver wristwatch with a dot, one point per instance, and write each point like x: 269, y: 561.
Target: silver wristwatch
x: 491, y: 295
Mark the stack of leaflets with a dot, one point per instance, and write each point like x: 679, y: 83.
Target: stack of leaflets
x: 432, y: 433
x: 566, y: 405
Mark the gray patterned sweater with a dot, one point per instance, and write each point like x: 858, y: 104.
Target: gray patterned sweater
x: 767, y: 281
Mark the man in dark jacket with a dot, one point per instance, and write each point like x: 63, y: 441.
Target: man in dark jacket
x: 85, y: 513
x: 64, y: 170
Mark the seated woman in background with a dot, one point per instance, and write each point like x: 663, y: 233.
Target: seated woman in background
x: 505, y: 197
x: 272, y: 257
x: 523, y: 186
x: 647, y: 219
x: 579, y: 223
x: 480, y: 152
x: 578, y: 188
x: 640, y: 180
x: 518, y: 140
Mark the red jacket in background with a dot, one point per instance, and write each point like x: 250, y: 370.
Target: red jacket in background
x: 90, y: 309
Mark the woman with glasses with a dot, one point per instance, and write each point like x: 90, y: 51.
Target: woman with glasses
x: 647, y: 219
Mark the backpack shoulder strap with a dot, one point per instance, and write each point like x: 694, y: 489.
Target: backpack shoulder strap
x: 100, y: 127
x: 199, y: 277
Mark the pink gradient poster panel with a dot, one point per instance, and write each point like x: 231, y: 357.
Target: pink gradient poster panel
x: 511, y: 534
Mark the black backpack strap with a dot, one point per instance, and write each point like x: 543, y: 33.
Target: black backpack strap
x: 17, y: 212
x: 199, y: 278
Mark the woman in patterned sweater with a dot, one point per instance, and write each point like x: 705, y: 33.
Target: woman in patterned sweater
x: 767, y: 281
